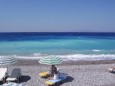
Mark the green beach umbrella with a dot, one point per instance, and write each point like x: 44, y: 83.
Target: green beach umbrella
x: 7, y: 60
x: 50, y: 60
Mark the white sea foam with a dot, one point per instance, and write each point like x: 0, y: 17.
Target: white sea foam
x: 39, y: 54
x: 95, y: 50
x: 88, y: 57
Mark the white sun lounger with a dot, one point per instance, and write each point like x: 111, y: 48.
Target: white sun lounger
x: 112, y: 70
x: 3, y: 74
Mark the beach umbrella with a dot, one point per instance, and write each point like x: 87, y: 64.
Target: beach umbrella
x: 7, y: 60
x: 50, y: 60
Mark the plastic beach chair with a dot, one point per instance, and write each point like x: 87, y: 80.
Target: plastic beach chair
x: 3, y: 74
x: 15, y: 75
x: 61, y: 78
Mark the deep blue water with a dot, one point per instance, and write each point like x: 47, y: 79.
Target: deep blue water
x: 25, y: 36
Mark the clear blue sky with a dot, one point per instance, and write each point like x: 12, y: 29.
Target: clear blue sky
x: 57, y: 15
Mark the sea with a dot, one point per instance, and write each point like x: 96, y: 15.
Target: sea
x: 66, y: 45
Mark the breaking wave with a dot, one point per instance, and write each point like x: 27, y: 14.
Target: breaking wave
x: 67, y: 57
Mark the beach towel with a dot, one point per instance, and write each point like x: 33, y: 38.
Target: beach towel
x: 62, y: 77
x: 44, y: 74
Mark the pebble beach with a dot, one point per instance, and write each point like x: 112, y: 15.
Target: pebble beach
x: 80, y: 73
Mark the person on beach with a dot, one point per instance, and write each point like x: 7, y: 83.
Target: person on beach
x: 54, y: 73
x: 53, y: 70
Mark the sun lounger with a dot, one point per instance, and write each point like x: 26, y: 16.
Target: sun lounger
x: 3, y: 74
x: 15, y: 75
x: 112, y: 70
x: 61, y: 78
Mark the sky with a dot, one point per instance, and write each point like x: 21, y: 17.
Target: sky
x: 57, y: 15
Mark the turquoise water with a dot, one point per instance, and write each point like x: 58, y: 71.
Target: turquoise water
x: 58, y: 46
x: 74, y: 47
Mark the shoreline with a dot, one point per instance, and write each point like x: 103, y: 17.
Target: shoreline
x: 31, y: 62
x: 67, y: 57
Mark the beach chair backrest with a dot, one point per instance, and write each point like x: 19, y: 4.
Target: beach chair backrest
x: 15, y: 73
